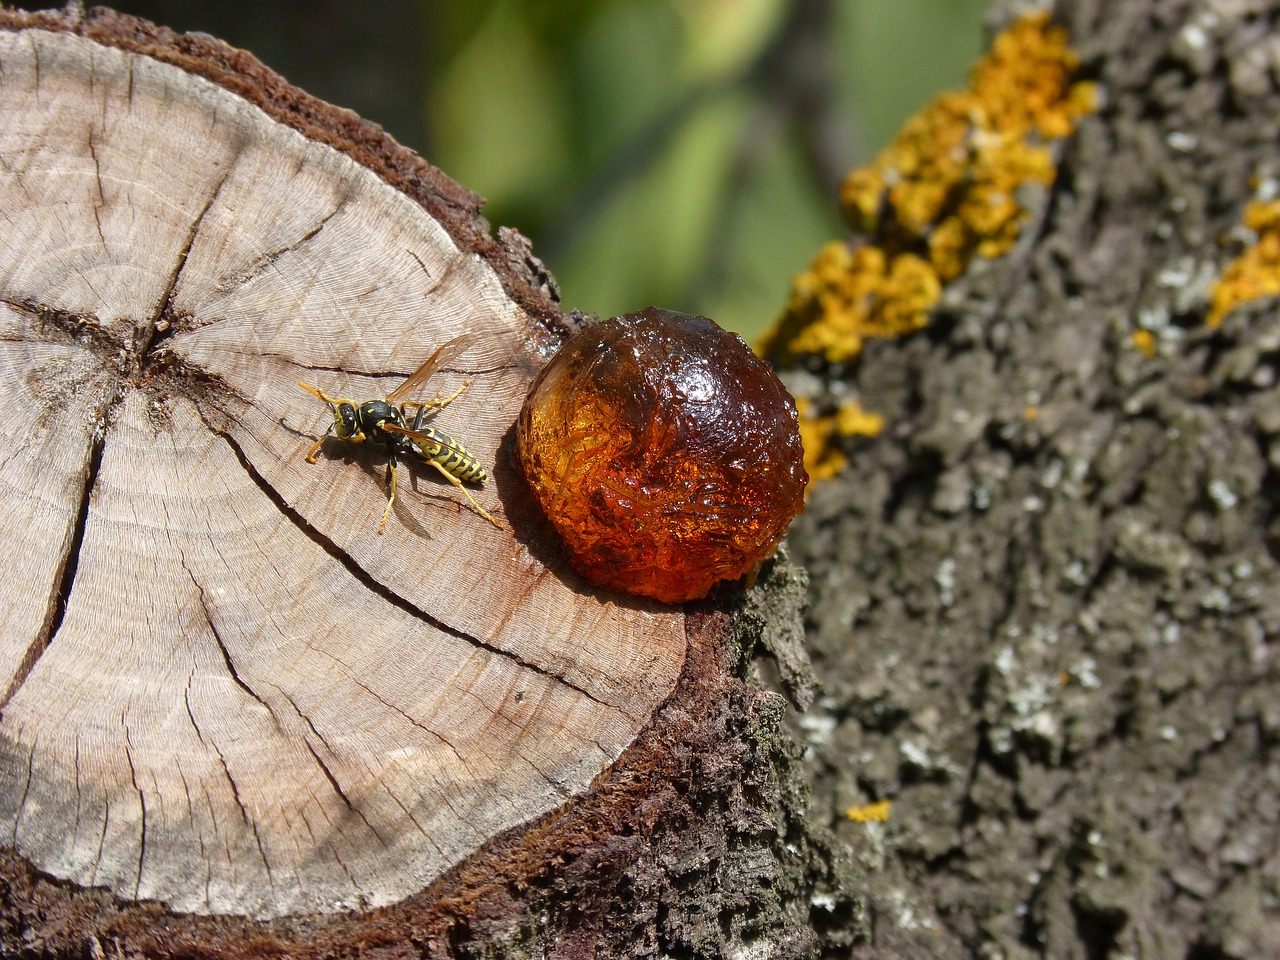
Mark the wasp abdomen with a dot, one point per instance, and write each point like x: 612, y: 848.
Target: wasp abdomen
x: 453, y: 456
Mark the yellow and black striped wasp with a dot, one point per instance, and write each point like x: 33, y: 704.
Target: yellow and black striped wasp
x: 386, y: 422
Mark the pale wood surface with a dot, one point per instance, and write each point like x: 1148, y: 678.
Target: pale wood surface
x: 253, y: 703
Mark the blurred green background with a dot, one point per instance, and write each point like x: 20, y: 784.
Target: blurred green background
x: 683, y: 153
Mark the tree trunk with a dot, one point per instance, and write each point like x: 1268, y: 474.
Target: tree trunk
x: 1046, y: 598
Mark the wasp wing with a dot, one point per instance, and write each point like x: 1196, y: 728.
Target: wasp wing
x: 444, y: 353
x: 411, y: 434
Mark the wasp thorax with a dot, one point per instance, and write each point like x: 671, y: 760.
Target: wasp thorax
x: 665, y: 452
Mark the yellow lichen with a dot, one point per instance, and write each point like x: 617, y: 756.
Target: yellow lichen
x: 821, y: 460
x: 820, y: 435
x: 853, y: 421
x: 1144, y: 341
x: 1026, y: 80
x: 946, y: 190
x: 853, y: 293
x: 878, y: 811
x: 1256, y: 272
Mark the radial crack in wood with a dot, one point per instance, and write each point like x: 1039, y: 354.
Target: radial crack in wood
x: 253, y: 702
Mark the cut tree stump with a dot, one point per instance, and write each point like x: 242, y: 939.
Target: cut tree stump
x: 227, y: 699
x: 224, y: 688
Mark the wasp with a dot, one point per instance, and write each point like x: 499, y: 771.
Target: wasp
x: 386, y: 422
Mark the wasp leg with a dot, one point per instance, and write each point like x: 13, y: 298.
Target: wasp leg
x: 458, y: 483
x: 382, y: 528
x: 436, y: 404
x: 314, y: 453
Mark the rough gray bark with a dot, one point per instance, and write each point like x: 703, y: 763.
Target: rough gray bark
x: 1052, y: 641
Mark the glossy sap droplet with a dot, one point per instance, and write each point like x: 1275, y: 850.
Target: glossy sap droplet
x: 666, y: 454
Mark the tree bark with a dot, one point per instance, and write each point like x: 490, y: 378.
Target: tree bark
x: 1046, y: 599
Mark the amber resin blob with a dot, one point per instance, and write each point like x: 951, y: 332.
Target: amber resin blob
x: 664, y: 451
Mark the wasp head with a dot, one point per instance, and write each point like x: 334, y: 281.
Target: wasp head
x: 346, y: 422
